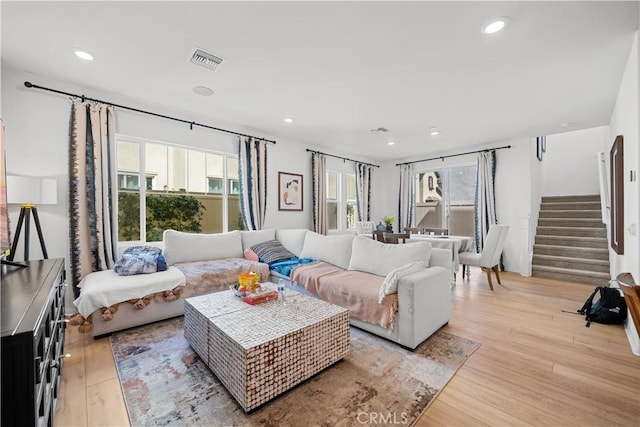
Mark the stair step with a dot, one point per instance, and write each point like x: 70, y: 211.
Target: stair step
x: 577, y: 241
x: 572, y: 231
x: 571, y: 222
x: 585, y: 264
x: 571, y: 251
x: 565, y: 206
x: 569, y: 275
x: 572, y: 198
x: 571, y: 240
x: 558, y: 213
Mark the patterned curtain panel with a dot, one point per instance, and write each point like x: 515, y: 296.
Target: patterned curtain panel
x: 319, y: 172
x: 407, y: 197
x: 363, y: 191
x: 92, y: 195
x: 252, y: 177
x: 485, y: 203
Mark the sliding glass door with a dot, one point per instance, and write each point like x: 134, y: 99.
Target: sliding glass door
x: 445, y: 199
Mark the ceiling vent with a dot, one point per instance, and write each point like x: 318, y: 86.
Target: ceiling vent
x: 379, y: 130
x: 205, y: 59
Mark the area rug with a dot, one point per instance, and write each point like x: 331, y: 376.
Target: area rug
x: 165, y: 383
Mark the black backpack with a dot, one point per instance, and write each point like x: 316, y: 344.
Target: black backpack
x: 610, y: 308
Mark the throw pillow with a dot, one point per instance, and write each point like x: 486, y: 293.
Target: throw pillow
x: 390, y: 284
x: 250, y: 255
x: 379, y: 258
x: 271, y: 251
x: 140, y: 260
x: 335, y: 250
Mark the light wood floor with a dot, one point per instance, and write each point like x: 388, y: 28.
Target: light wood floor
x: 536, y: 365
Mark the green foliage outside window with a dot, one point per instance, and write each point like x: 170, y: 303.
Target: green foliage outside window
x: 128, y: 216
x: 177, y: 212
x: 181, y: 213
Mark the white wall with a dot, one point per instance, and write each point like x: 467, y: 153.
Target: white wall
x: 625, y: 122
x: 513, y: 202
x: 569, y: 166
x: 537, y: 184
x: 37, y: 128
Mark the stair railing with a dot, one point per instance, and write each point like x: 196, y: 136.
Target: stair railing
x: 605, y: 202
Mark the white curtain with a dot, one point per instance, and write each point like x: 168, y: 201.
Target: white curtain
x: 406, y: 199
x: 485, y: 203
x: 252, y: 179
x: 363, y: 191
x: 92, y: 193
x: 319, y: 172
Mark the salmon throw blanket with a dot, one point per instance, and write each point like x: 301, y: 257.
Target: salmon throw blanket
x: 354, y: 290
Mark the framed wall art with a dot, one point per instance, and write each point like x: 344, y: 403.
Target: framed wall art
x: 290, y: 196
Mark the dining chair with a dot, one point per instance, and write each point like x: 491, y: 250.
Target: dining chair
x: 365, y: 227
x: 489, y: 258
x: 436, y: 231
x: 395, y: 238
x: 414, y: 230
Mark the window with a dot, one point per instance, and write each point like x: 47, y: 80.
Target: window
x: 185, y: 189
x: 131, y: 182
x: 128, y: 181
x: 234, y: 186
x: 342, y: 210
x: 445, y: 199
x: 215, y: 185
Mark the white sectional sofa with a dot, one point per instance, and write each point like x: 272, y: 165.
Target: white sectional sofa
x: 423, y: 299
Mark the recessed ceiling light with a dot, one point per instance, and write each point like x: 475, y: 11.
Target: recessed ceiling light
x: 84, y: 55
x: 565, y: 124
x: 288, y: 119
x: 495, y: 25
x: 434, y: 132
x: 203, y: 90
x: 391, y: 143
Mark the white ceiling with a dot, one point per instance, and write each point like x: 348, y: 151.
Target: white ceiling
x: 342, y: 68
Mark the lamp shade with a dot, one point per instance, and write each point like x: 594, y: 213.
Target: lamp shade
x: 35, y: 190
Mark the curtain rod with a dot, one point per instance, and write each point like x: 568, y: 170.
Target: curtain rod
x: 137, y: 110
x: 453, y: 155
x: 343, y: 158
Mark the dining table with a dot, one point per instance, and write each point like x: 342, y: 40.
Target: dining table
x: 455, y: 244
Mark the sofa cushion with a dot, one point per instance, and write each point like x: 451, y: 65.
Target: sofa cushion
x: 292, y: 239
x: 374, y: 257
x: 335, y: 250
x: 271, y: 251
x: 191, y: 247
x: 250, y: 238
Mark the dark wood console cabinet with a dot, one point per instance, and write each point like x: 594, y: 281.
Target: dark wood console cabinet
x: 33, y: 328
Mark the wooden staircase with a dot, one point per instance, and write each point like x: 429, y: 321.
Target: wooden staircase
x: 571, y: 240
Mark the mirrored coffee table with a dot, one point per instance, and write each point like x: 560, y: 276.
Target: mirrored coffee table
x: 260, y: 351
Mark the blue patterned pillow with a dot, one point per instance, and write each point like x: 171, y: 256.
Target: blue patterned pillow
x: 271, y: 251
x: 140, y: 260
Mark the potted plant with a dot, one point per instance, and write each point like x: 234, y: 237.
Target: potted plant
x: 388, y: 222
